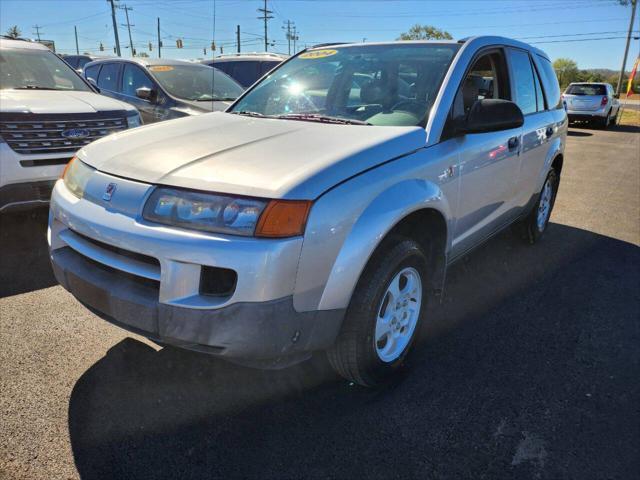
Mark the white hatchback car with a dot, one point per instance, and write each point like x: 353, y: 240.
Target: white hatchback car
x: 595, y: 103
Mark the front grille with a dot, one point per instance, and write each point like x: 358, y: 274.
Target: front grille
x: 121, y: 251
x: 33, y: 134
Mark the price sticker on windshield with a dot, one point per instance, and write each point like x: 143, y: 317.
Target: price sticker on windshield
x: 160, y: 68
x: 318, y: 54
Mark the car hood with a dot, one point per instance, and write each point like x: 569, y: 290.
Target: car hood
x: 260, y: 157
x: 57, y: 101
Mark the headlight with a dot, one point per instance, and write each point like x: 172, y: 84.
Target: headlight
x: 227, y: 214
x: 76, y: 175
x: 203, y: 211
x: 134, y: 120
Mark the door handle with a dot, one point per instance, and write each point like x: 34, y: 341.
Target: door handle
x: 549, y: 131
x: 513, y: 143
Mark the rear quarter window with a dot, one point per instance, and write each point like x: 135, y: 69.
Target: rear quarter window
x: 549, y: 82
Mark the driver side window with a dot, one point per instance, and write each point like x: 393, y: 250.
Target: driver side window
x: 486, y: 79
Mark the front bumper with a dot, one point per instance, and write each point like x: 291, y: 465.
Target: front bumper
x: 26, y: 180
x: 148, y: 279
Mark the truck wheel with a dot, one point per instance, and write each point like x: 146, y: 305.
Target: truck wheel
x: 537, y: 221
x: 384, y: 314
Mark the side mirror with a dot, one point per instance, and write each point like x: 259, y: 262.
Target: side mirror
x: 616, y: 95
x: 491, y: 116
x: 146, y: 93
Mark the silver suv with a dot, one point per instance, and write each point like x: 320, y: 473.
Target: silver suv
x: 321, y: 211
x: 595, y: 103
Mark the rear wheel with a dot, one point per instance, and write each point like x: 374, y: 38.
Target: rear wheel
x: 384, y: 314
x: 537, y: 221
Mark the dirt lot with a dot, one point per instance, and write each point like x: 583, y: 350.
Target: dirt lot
x: 529, y: 369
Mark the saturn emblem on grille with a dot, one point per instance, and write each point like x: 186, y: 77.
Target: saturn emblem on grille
x: 109, y: 191
x: 76, y: 133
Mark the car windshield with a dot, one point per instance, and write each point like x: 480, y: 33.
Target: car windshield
x: 196, y: 82
x: 586, y: 90
x: 391, y: 85
x: 32, y: 69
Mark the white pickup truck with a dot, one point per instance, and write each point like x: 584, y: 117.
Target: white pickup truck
x: 47, y: 112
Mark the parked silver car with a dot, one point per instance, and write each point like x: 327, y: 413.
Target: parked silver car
x: 319, y: 212
x: 596, y: 103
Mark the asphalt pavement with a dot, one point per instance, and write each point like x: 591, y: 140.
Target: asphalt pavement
x: 528, y: 369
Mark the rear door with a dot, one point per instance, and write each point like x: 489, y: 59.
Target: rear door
x: 538, y: 123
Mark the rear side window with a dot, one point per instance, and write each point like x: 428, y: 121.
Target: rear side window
x: 245, y: 72
x: 82, y: 61
x: 108, y: 77
x: 267, y: 67
x: 222, y: 66
x: 73, y: 61
x: 92, y: 72
x: 549, y: 82
x: 525, y: 90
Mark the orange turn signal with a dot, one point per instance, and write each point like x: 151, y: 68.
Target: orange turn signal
x: 66, y: 167
x: 283, y: 218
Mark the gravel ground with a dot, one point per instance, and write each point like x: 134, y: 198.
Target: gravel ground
x: 528, y: 369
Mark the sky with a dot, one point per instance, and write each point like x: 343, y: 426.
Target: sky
x: 591, y: 32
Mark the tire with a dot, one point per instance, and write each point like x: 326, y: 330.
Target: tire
x: 535, y: 226
x: 603, y: 123
x: 356, y: 355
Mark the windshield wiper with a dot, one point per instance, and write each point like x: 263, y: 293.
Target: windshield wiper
x: 316, y: 117
x: 247, y: 113
x: 36, y: 87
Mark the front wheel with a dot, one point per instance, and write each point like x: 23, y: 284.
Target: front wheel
x: 384, y: 314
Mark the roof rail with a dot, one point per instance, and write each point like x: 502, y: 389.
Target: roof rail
x: 243, y: 54
x: 330, y: 44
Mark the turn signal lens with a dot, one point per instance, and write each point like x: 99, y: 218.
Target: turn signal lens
x: 283, y: 218
x: 66, y: 167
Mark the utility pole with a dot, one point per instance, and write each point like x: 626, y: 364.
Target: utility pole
x: 159, y: 41
x: 128, y: 25
x: 295, y: 38
x: 287, y: 27
x: 115, y: 27
x: 634, y: 4
x: 238, y: 37
x: 266, y: 16
x: 75, y: 29
x: 37, y: 27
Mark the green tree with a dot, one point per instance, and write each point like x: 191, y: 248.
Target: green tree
x: 425, y: 32
x: 566, y: 71
x: 14, y: 32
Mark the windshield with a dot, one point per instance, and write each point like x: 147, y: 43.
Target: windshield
x: 196, y: 82
x: 375, y: 84
x: 38, y: 70
x: 586, y: 90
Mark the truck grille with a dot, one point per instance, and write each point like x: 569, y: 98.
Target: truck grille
x: 67, y: 133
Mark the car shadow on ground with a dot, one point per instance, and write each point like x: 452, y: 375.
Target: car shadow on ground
x: 579, y: 133
x: 24, y: 263
x: 528, y: 368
